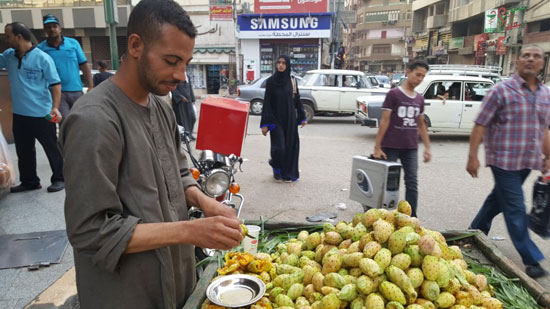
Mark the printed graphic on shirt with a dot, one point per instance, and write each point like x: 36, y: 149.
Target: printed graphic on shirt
x: 408, y: 114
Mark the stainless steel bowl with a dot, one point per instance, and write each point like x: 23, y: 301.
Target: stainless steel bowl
x: 235, y: 290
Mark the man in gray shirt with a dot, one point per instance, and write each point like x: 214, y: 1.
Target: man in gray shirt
x: 128, y: 183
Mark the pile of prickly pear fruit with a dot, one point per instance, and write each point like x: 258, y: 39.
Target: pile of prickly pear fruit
x: 383, y: 259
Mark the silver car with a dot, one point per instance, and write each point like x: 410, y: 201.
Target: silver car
x: 254, y: 93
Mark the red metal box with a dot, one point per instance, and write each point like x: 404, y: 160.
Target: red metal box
x: 222, y: 125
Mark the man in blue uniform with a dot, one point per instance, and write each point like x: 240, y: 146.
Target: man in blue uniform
x: 35, y: 93
x: 69, y: 60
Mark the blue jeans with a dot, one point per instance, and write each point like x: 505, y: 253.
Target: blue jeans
x: 409, y: 161
x: 507, y: 197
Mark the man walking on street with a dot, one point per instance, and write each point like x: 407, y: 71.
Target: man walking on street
x: 513, y: 122
x: 128, y: 182
x: 35, y: 92
x: 69, y: 60
x: 401, y: 123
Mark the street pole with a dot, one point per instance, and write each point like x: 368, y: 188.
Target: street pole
x: 237, y: 60
x: 111, y: 19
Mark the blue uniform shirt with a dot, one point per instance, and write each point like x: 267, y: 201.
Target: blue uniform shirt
x: 67, y: 57
x: 30, y: 79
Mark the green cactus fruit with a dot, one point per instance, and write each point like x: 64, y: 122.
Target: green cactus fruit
x: 274, y: 292
x: 313, y: 240
x: 309, y: 272
x: 370, y: 216
x: 333, y: 238
x: 357, y: 218
x: 370, y: 267
x: 426, y: 244
x: 402, y: 220
x: 404, y: 207
x: 296, y: 290
x: 357, y: 303
x: 414, y: 252
x: 329, y: 290
x: 354, y: 247
x: 301, y: 302
x: 392, y: 292
x: 352, y: 259
x: 302, y: 236
x: 330, y: 301
x: 343, y: 272
x: 334, y: 280
x: 426, y: 304
x: 297, y: 277
x: 345, y: 230
x: 328, y: 227
x: 330, y: 252
x: 400, y: 278
x: 365, y: 239
x: 350, y: 279
x: 429, y: 290
x: 397, y: 242
x: 394, y: 305
x: 332, y: 264
x: 456, y: 253
x: 309, y: 254
x: 453, y: 287
x: 445, y: 274
x: 412, y: 238
x: 316, y: 305
x: 316, y: 296
x: 445, y: 300
x: 382, y: 230
x: 294, y: 248
x: 365, y: 285
x: 285, y: 269
x: 416, y: 276
x: 358, y: 231
x: 281, y: 248
x: 374, y: 301
x: 308, y: 291
x: 414, y: 306
x: 303, y: 261
x: 431, y: 267
x: 345, y: 244
x: 355, y: 271
x: 283, y: 300
x: 401, y: 260
x: 371, y: 248
x: 407, y: 229
x: 383, y: 258
x: 292, y: 259
x: 318, y: 281
x: 348, y: 292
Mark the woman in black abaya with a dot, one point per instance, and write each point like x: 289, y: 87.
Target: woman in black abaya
x: 282, y: 113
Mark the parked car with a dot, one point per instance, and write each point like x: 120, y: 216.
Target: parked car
x: 396, y: 78
x: 321, y: 92
x: 384, y: 81
x: 454, y: 114
x: 483, y: 71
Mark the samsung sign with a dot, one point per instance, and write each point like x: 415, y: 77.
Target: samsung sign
x: 284, y: 26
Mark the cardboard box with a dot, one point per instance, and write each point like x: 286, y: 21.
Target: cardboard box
x: 222, y: 125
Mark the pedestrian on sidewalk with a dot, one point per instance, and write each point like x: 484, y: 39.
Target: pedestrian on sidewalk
x: 69, y: 60
x: 401, y: 123
x: 281, y: 104
x: 513, y: 123
x: 103, y: 73
x: 35, y: 92
x: 128, y: 183
x: 183, y: 100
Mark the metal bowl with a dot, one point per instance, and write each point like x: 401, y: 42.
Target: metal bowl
x: 235, y: 290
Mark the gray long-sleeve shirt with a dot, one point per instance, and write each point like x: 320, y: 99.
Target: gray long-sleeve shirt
x: 124, y: 166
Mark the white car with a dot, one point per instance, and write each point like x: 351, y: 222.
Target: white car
x: 451, y: 103
x: 335, y: 91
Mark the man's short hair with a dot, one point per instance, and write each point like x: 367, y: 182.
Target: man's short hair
x: 149, y: 16
x: 524, y: 47
x: 102, y: 64
x: 23, y: 30
x: 418, y: 63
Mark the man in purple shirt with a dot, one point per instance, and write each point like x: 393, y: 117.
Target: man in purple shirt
x: 402, y: 121
x: 514, y: 120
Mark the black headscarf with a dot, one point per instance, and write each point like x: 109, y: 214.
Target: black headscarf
x: 281, y: 78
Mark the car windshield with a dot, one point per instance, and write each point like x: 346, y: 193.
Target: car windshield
x: 383, y: 79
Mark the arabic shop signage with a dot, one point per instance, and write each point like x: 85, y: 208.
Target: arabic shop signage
x: 284, y: 26
x: 457, y: 42
x: 290, y: 6
x: 221, y: 12
x: 495, y: 19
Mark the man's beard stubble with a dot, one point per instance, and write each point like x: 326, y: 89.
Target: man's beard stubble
x: 144, y: 75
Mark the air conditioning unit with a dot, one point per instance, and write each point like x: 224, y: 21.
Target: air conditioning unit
x: 392, y: 22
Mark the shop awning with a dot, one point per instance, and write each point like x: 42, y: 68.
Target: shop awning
x: 214, y: 50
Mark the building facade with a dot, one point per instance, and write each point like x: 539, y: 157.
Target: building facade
x: 431, y: 30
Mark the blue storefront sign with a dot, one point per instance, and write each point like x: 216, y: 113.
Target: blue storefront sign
x: 284, y: 26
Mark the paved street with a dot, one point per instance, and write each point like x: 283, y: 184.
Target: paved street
x: 449, y: 197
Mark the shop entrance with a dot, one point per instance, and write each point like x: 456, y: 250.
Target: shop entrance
x: 304, y: 55
x: 213, y: 78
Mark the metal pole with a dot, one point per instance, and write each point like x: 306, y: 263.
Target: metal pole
x: 237, y: 64
x: 114, y: 46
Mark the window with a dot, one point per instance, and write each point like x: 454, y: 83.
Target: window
x: 443, y: 90
x: 476, y: 91
x: 349, y: 80
x: 327, y: 80
x: 381, y: 49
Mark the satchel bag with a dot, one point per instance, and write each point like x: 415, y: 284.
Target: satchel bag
x: 539, y: 218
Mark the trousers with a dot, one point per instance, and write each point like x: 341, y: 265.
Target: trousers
x: 507, y: 197
x: 26, y: 130
x: 409, y: 161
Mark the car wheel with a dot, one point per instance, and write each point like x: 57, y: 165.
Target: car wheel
x: 256, y: 107
x: 309, y: 112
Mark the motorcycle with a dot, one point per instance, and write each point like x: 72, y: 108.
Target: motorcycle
x: 215, y: 174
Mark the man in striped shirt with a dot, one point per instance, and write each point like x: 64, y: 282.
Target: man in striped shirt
x: 513, y: 121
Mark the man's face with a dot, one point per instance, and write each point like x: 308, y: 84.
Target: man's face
x: 281, y: 65
x: 10, y: 38
x: 416, y: 76
x: 163, y: 63
x: 530, y: 61
x: 53, y: 30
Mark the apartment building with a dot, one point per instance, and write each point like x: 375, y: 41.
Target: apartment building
x: 379, y: 41
x: 431, y: 30
x: 537, y: 19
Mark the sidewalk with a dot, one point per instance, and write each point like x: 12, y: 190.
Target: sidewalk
x: 33, y: 211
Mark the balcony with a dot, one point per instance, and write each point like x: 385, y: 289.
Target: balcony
x: 368, y: 42
x: 506, y: 2
x: 436, y: 21
x: 536, y: 37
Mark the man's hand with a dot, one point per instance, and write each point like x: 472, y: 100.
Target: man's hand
x: 211, y: 208
x: 472, y: 166
x: 264, y: 131
x: 303, y: 124
x: 379, y: 154
x: 216, y: 232
x: 56, y: 114
x: 427, y: 155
